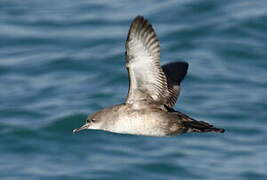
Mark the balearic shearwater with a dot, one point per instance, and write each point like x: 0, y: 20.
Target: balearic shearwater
x: 153, y: 91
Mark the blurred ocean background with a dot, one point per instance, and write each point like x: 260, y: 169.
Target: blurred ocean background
x: 62, y: 60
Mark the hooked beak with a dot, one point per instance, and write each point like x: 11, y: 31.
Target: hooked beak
x: 80, y: 128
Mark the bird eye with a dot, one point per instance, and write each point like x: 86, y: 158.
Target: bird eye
x: 90, y: 120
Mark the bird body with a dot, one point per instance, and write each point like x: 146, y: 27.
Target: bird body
x: 149, y: 121
x: 144, y: 121
x: 153, y: 91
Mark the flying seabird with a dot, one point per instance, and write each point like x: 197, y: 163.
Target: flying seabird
x: 153, y: 91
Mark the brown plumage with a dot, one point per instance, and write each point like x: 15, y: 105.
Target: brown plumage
x: 153, y: 91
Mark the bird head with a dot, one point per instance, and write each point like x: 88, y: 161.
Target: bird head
x: 94, y: 121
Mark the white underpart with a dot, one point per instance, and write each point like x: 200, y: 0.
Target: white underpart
x: 136, y: 124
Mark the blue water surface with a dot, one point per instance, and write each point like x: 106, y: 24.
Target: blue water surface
x: 62, y: 60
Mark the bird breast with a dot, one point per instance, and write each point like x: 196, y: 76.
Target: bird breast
x: 140, y: 122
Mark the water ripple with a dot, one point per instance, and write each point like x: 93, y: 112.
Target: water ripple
x: 61, y: 61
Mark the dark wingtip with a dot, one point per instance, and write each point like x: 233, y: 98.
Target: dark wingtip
x: 138, y: 17
x: 176, y: 71
x: 216, y: 130
x: 135, y: 23
x: 201, y: 126
x: 219, y: 130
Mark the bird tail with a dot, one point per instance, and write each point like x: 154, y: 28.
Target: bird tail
x: 192, y: 125
x: 201, y: 126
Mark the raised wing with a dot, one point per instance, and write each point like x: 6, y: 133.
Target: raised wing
x: 147, y: 82
x: 175, y: 73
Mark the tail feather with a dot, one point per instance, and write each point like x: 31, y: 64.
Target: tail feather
x: 192, y: 125
x: 201, y: 126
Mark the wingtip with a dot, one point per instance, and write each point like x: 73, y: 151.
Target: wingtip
x: 176, y: 71
x: 137, y: 20
x: 221, y: 130
x: 138, y: 17
x: 143, y: 30
x: 135, y: 23
x: 139, y: 23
